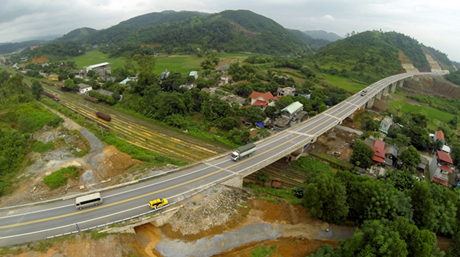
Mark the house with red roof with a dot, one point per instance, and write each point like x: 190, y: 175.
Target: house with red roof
x: 379, y: 151
x: 261, y: 99
x: 441, y: 167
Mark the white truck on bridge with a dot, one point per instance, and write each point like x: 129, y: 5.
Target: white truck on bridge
x: 242, y: 151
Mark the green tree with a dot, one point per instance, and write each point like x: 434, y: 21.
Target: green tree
x: 70, y: 84
x: 445, y: 201
x: 419, y: 136
x: 145, y: 64
x: 90, y: 73
x: 375, y: 238
x: 270, y: 111
x: 228, y: 123
x: 322, y: 107
x: 453, y: 123
x: 424, y: 209
x: 263, y: 177
x: 419, y: 242
x: 362, y: 153
x: 37, y: 89
x: 382, y: 203
x: 326, y: 198
x: 410, y: 157
x: 325, y: 250
x: 369, y: 124
x: 455, y: 153
x: 454, y: 247
x: 402, y: 180
x: 254, y: 114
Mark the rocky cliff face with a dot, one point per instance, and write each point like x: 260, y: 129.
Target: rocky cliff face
x: 432, y: 86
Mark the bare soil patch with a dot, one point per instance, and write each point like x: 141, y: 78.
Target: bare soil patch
x: 337, y: 142
x: 285, y: 246
x: 38, y: 59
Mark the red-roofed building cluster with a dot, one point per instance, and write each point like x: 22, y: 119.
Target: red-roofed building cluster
x: 441, y: 167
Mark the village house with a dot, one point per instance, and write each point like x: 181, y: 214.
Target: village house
x: 289, y: 116
x: 261, y: 99
x: 379, y: 151
x: 105, y: 92
x: 53, y: 77
x: 441, y: 167
x: 384, y: 154
x: 232, y: 99
x: 83, y: 88
x: 291, y: 110
x: 385, y: 124
x: 439, y: 136
x: 285, y: 91
x: 222, y: 81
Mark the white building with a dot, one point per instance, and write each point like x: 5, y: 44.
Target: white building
x: 101, y: 68
x: 194, y: 74
x: 83, y: 88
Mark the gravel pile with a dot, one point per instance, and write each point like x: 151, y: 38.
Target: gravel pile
x: 216, y: 207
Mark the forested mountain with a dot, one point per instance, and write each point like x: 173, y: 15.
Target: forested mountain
x: 371, y: 55
x: 315, y: 43
x: 6, y: 48
x: 321, y: 34
x: 364, y: 56
x: 409, y: 46
x: 185, y: 31
x: 77, y: 35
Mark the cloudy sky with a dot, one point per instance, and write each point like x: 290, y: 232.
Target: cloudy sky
x: 433, y: 23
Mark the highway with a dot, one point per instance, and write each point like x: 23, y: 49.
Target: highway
x: 32, y: 223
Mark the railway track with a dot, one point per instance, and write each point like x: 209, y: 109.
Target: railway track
x: 137, y: 134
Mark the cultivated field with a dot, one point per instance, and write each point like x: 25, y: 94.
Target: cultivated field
x: 174, y: 63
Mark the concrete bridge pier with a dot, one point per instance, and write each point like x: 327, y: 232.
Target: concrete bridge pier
x: 379, y: 95
x: 370, y: 103
x: 393, y: 87
x: 385, y: 91
x: 298, y: 153
x: 401, y: 83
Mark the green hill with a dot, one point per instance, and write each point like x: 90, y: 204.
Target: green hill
x: 77, y: 35
x: 409, y: 46
x: 6, y: 48
x: 321, y: 34
x: 185, y: 31
x: 364, y: 56
x: 315, y: 43
x: 371, y: 55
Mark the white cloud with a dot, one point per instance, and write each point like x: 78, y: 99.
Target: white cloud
x: 328, y: 17
x: 433, y: 23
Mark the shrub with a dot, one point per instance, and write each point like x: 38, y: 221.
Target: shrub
x: 41, y: 147
x: 60, y: 177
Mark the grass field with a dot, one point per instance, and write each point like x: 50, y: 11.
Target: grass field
x: 174, y: 63
x: 95, y: 57
x: 432, y: 114
x: 344, y: 83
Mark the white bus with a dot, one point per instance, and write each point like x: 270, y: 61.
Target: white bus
x: 88, y: 200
